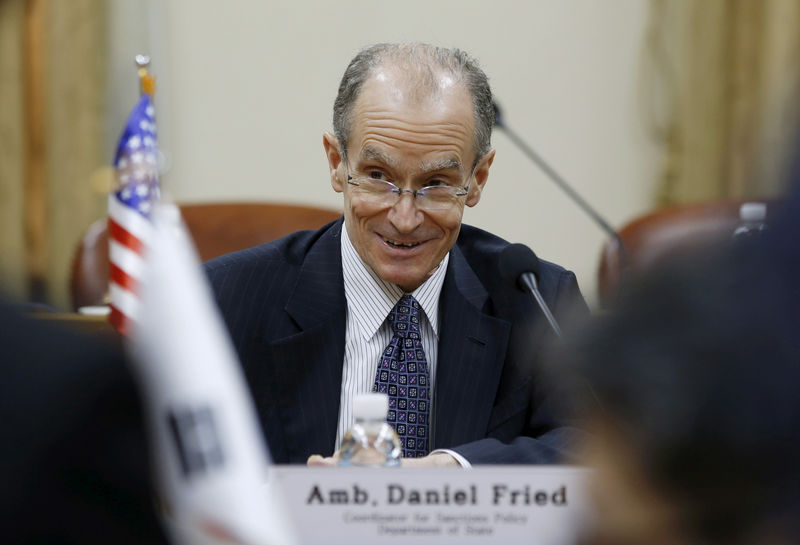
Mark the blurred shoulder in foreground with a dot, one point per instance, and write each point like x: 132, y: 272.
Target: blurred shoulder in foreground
x: 693, y: 401
x: 74, y: 456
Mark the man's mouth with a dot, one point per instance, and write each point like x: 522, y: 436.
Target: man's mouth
x: 396, y: 244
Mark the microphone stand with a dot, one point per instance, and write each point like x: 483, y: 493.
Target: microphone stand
x: 562, y: 184
x: 529, y: 280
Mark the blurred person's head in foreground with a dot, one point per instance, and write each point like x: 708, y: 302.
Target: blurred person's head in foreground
x: 692, y: 398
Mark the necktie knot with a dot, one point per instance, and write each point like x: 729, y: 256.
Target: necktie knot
x: 404, y: 317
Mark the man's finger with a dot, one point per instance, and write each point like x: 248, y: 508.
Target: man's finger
x: 317, y: 460
x: 440, y: 459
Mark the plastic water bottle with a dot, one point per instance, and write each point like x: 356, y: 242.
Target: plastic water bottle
x: 752, y: 216
x: 371, y: 442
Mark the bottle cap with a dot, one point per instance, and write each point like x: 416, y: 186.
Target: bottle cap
x: 753, y: 211
x: 370, y: 406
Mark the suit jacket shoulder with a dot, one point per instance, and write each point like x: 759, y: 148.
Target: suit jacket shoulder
x: 289, y: 250
x: 248, y: 281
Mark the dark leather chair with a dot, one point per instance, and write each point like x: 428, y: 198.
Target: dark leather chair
x: 217, y: 228
x: 664, y: 234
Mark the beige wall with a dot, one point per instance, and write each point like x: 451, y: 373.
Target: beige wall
x: 246, y: 89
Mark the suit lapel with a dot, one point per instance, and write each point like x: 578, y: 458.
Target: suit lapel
x: 472, y: 348
x: 309, y: 363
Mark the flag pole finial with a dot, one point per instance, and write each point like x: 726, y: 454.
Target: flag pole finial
x: 147, y: 83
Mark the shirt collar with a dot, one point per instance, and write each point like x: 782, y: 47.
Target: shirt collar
x: 370, y: 298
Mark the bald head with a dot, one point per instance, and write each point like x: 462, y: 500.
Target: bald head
x: 427, y: 72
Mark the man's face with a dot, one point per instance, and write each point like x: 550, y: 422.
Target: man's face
x: 414, y: 143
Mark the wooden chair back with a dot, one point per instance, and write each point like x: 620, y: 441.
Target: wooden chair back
x: 217, y: 228
x: 663, y: 234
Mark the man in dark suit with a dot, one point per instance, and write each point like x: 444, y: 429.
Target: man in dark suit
x: 308, y: 313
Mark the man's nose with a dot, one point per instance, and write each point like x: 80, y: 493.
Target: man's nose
x: 404, y: 214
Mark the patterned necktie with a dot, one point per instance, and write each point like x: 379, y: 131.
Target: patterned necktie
x: 403, y: 376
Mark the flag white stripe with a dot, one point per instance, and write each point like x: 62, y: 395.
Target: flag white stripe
x: 124, y: 300
x: 126, y: 259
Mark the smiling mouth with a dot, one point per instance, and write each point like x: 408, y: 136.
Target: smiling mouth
x: 395, y: 244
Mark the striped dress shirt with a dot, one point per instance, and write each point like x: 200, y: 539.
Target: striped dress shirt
x: 367, y: 332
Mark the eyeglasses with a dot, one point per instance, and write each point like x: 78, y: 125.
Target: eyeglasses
x: 385, y: 193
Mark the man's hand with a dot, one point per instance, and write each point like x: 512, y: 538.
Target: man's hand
x: 320, y: 461
x: 439, y: 459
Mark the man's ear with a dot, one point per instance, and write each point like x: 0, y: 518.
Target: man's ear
x: 334, y: 155
x: 481, y: 175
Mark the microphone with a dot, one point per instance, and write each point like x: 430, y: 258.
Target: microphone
x: 520, y: 265
x: 562, y: 184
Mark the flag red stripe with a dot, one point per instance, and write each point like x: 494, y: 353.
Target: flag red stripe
x: 123, y: 236
x: 123, y: 279
x: 120, y: 322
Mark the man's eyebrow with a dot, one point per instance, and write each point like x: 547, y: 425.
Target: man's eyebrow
x: 370, y: 153
x: 446, y: 163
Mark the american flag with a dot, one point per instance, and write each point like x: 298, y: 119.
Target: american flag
x: 129, y: 226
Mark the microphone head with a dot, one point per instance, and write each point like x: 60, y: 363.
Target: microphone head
x: 516, y: 259
x: 498, y: 115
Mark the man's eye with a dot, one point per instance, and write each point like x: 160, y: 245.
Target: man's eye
x: 376, y: 175
x: 436, y: 182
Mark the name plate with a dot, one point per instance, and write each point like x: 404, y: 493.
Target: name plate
x: 535, y: 505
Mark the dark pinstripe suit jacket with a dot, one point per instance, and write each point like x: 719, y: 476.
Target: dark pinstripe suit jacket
x: 284, y: 305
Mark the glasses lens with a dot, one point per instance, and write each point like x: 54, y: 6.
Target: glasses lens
x: 384, y: 193
x: 376, y: 191
x: 438, y: 198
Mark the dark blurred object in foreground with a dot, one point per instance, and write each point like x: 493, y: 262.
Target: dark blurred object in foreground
x: 74, y: 457
x: 694, y: 399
